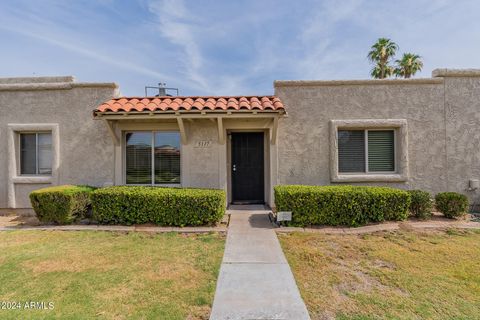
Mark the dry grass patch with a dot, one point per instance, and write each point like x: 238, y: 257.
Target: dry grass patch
x: 387, y: 275
x: 109, y: 275
x: 69, y: 262
x: 12, y: 220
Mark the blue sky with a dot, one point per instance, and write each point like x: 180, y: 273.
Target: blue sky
x: 228, y: 47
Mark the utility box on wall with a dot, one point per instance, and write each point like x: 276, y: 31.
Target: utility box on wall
x: 474, y: 184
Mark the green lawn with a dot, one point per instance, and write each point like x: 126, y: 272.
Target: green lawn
x: 388, y: 275
x: 107, y: 275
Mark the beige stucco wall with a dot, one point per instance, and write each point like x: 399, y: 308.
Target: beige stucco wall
x: 442, y: 116
x: 85, y: 149
x: 202, y: 164
x: 462, y: 112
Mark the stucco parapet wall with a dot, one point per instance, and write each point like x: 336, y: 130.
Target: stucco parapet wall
x: 55, y: 86
x: 443, y: 73
x: 55, y: 79
x: 314, y: 83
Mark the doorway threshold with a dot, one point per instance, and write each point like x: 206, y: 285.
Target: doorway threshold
x: 250, y: 206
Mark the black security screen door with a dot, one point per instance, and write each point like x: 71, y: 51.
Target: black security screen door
x: 247, y: 167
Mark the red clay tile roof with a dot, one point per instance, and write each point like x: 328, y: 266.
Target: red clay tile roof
x: 173, y: 104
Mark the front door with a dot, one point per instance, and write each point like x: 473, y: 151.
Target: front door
x: 247, y: 167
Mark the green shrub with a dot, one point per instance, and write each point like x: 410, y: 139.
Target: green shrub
x: 341, y: 205
x: 421, y: 204
x: 61, y: 204
x: 163, y: 206
x: 451, y: 204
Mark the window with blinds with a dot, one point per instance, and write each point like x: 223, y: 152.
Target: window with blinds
x: 351, y: 151
x: 152, y: 157
x: 381, y: 151
x: 167, y: 157
x: 361, y: 151
x: 28, y: 153
x: 36, y: 153
x: 138, y: 158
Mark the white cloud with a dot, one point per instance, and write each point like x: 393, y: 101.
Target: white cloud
x: 312, y: 49
x: 34, y: 26
x: 176, y: 25
x: 321, y: 38
x: 193, y: 36
x: 88, y: 52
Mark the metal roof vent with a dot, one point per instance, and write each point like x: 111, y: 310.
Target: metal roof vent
x: 162, y: 90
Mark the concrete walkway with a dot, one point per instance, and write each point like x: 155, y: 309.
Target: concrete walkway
x: 255, y: 280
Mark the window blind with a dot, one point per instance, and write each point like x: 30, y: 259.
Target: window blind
x: 381, y: 154
x: 351, y: 150
x: 44, y: 153
x: 167, y: 157
x: 28, y: 151
x: 36, y: 153
x: 139, y: 158
x: 161, y: 147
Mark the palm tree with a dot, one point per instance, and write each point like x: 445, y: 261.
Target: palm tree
x: 408, y: 65
x: 381, y: 54
x: 379, y: 72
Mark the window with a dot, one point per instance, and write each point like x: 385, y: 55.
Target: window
x: 152, y: 157
x: 364, y: 151
x: 36, y: 153
x: 369, y: 150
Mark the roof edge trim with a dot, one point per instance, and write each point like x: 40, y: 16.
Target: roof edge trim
x: 460, y: 73
x: 203, y: 113
x: 55, y: 86
x: 314, y: 83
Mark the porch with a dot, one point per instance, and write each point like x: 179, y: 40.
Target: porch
x: 224, y: 143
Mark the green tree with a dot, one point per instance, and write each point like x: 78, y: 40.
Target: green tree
x: 408, y: 65
x: 381, y: 54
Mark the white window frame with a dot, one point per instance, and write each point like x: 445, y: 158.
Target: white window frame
x: 14, y: 176
x: 399, y: 126
x: 124, y: 156
x: 36, y: 174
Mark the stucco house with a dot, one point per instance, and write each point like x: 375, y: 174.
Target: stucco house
x: 412, y: 133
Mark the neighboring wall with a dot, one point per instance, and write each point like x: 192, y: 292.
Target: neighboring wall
x: 443, y: 120
x: 462, y: 112
x: 85, y: 147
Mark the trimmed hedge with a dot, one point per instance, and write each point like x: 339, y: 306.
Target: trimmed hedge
x: 421, y: 204
x: 61, y: 204
x: 341, y: 205
x: 451, y: 204
x: 163, y: 206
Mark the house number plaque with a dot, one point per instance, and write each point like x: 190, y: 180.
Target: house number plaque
x: 284, y: 216
x: 203, y: 144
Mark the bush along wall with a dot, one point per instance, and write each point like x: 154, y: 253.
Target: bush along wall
x: 451, y: 204
x: 61, y: 204
x: 341, y: 205
x: 421, y: 204
x: 162, y: 206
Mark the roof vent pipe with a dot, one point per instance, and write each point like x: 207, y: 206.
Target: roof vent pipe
x: 162, y: 90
